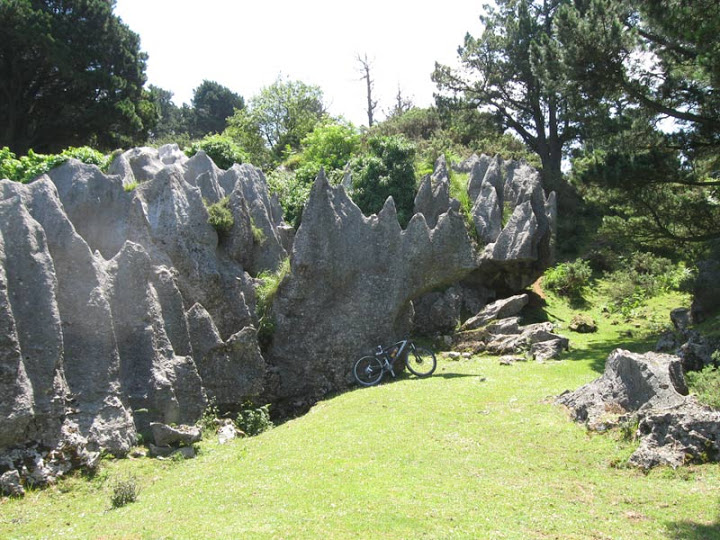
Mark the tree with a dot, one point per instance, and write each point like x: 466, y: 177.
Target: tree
x: 71, y: 73
x: 518, y: 74
x: 172, y: 120
x: 365, y: 67
x: 278, y: 118
x: 386, y: 170
x: 660, y: 60
x: 213, y: 104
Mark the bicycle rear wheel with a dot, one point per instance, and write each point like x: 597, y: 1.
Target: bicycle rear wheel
x: 421, y: 362
x: 368, y: 370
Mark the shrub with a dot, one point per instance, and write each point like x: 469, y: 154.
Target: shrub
x: 29, y: 167
x: 292, y: 192
x: 254, y: 420
x: 265, y: 293
x: 223, y: 150
x: 125, y: 491
x: 220, y: 216
x: 386, y: 170
x: 568, y: 279
x: 207, y: 421
x: 641, y: 276
x: 706, y: 384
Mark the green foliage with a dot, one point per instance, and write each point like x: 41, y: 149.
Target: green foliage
x: 568, y: 279
x: 385, y: 171
x: 257, y: 233
x: 277, y: 119
x: 223, y: 150
x: 330, y: 145
x: 641, y: 276
x: 292, y: 192
x: 254, y: 420
x: 207, y: 423
x: 27, y: 168
x: 515, y: 72
x: 124, y: 491
x: 220, y: 216
x: 174, y: 123
x: 706, y: 384
x: 265, y: 293
x: 60, y: 87
x: 213, y: 104
x: 130, y: 186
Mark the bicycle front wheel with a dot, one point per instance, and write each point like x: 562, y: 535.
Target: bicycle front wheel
x: 368, y: 370
x: 421, y: 362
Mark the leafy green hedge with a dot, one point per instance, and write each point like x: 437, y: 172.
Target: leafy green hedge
x: 26, y: 168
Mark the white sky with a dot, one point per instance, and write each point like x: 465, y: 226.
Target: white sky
x: 246, y: 45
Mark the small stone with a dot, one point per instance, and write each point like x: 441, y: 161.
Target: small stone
x: 453, y: 355
x: 10, y: 484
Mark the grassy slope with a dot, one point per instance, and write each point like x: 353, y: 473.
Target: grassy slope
x: 476, y: 451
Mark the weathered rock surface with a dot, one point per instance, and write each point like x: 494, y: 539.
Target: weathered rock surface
x: 165, y: 435
x: 673, y: 428
x: 631, y: 382
x: 496, y: 330
x: 353, y: 279
x: 96, y: 337
x: 501, y: 309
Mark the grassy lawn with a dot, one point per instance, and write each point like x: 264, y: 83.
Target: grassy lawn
x: 476, y: 451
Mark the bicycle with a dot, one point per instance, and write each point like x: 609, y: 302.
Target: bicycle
x: 369, y: 370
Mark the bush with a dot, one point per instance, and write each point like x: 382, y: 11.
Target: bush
x: 254, y: 420
x: 643, y: 275
x: 568, y: 279
x: 386, y: 170
x: 125, y: 491
x: 265, y: 293
x: 292, y: 192
x: 29, y: 167
x: 706, y: 384
x: 223, y: 150
x: 220, y: 216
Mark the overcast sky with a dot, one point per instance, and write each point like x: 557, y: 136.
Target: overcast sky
x: 247, y: 45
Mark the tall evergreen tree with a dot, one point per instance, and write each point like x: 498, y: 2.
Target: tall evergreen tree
x: 515, y: 71
x: 71, y: 73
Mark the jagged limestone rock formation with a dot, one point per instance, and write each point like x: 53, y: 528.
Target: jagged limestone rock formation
x: 352, y: 281
x: 513, y: 220
x: 96, y: 286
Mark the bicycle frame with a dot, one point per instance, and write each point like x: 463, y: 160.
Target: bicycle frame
x: 387, y: 355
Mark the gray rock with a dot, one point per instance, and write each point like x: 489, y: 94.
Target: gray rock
x: 165, y: 435
x: 667, y: 342
x: 631, y: 382
x: 234, y: 371
x: 354, y: 276
x: 96, y: 204
x: 487, y: 214
x: 500, y: 309
x: 548, y: 349
x: 678, y: 436
x: 478, y: 166
x: 680, y: 318
x: 10, y: 484
x: 696, y: 353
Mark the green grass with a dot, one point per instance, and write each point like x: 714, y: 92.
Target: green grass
x: 478, y: 450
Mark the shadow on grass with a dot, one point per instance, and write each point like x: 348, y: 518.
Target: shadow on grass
x: 689, y: 530
x: 455, y: 375
x: 598, y: 352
